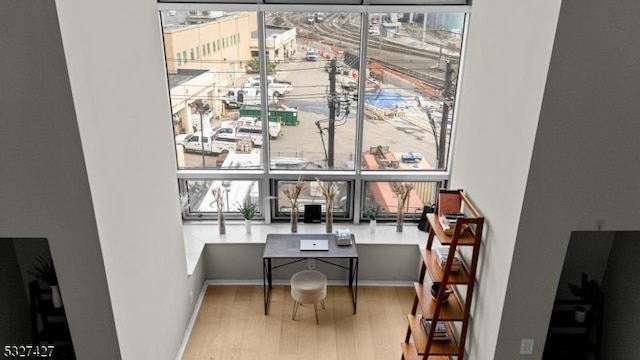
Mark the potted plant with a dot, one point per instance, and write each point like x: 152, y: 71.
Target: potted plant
x: 248, y: 210
x: 588, y: 291
x: 44, y: 270
x: 371, y: 212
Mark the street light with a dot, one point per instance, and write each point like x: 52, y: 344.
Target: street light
x: 201, y: 108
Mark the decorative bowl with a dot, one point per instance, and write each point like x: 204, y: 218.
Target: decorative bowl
x: 434, y: 292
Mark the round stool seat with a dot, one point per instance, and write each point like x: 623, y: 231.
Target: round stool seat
x: 308, y: 287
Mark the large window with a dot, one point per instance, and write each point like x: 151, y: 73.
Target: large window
x: 360, y: 100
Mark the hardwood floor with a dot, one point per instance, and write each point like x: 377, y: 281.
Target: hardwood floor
x: 231, y: 325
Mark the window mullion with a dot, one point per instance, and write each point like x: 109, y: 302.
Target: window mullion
x: 264, y: 95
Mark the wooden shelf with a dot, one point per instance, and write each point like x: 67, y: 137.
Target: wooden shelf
x: 454, y: 310
x: 436, y: 271
x: 439, y: 347
x: 467, y: 237
x: 409, y: 353
x: 449, y: 311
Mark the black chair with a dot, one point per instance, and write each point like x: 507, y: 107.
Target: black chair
x: 52, y: 327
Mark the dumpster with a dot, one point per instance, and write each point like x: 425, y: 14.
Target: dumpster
x: 280, y: 113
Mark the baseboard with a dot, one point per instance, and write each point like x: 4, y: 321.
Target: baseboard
x: 329, y: 282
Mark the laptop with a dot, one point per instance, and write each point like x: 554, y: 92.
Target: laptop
x: 314, y: 244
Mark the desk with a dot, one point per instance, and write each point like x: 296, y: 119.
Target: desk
x: 287, y: 246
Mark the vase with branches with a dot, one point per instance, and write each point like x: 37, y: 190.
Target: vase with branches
x: 330, y: 193
x: 402, y: 191
x: 219, y: 199
x: 292, y: 193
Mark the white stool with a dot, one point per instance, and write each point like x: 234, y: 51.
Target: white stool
x: 308, y: 287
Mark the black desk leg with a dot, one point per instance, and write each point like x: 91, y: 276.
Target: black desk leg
x: 270, y: 278
x: 353, y: 275
x: 267, y: 283
x: 264, y: 284
x: 355, y: 299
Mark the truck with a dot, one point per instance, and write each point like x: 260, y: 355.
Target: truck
x: 251, y: 122
x: 209, y: 142
x: 275, y: 88
x: 236, y: 97
x: 244, y: 128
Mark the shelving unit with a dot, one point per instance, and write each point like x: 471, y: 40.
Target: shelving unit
x: 454, y: 312
x: 569, y: 339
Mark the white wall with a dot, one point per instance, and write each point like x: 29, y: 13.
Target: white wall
x: 115, y: 61
x: 44, y: 191
x: 583, y: 167
x: 505, y: 68
x: 376, y: 263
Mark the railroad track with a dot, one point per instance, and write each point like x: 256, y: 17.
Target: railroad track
x: 337, y: 32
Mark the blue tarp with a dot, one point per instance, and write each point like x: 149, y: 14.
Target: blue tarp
x: 385, y: 99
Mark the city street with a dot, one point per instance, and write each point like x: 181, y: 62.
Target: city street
x: 408, y: 132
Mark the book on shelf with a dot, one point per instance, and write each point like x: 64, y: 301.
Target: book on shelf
x: 449, y: 225
x: 442, y: 254
x: 449, y: 201
x: 453, y: 216
x: 441, y: 329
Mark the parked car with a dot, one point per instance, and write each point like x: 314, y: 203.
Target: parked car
x: 275, y: 87
x: 311, y: 55
x: 210, y: 143
x: 251, y: 122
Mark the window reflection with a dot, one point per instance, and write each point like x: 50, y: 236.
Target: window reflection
x: 412, y: 64
x: 235, y: 192
x: 311, y: 194
x: 381, y: 193
x: 311, y: 88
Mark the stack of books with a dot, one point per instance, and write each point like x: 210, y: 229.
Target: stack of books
x: 448, y: 221
x: 442, y: 253
x: 440, y: 333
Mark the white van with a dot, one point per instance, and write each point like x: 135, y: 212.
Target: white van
x: 232, y: 132
x: 311, y: 55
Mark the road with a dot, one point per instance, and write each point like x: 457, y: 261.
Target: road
x: 409, y: 132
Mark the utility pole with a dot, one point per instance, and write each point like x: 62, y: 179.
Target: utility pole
x: 332, y: 112
x: 445, y: 117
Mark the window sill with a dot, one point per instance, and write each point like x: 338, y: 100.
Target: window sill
x: 197, y: 235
